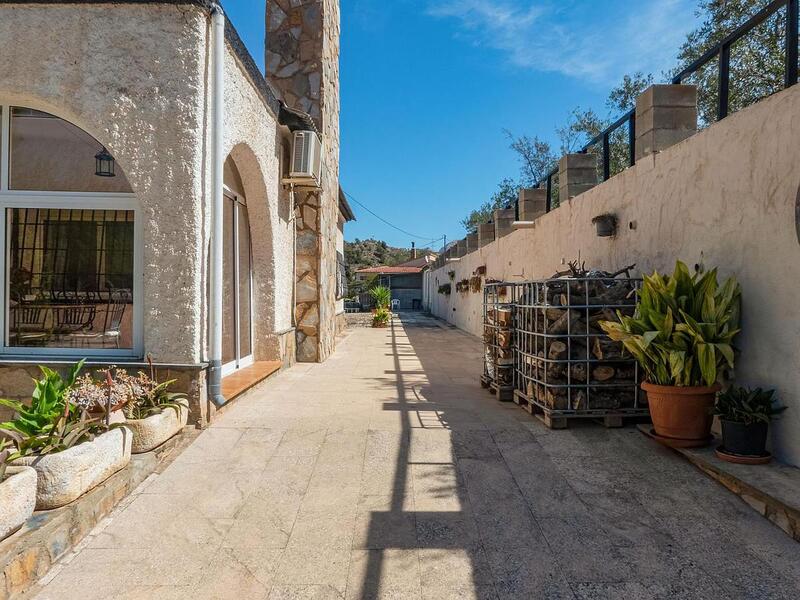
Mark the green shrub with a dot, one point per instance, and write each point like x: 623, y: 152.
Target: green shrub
x: 683, y: 328
x: 743, y: 405
x: 382, y: 296
x: 381, y: 317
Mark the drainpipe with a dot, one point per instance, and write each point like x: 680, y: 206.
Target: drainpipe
x: 218, y: 164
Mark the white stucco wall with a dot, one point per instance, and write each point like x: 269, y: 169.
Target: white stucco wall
x: 136, y: 78
x: 726, y: 197
x: 253, y: 141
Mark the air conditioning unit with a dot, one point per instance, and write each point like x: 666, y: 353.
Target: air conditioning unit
x: 306, y: 159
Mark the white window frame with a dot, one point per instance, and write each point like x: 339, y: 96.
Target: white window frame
x: 239, y: 361
x: 10, y: 199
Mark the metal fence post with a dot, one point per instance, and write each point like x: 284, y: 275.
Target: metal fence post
x: 606, y: 157
x: 632, y: 139
x: 724, y: 81
x: 791, y: 41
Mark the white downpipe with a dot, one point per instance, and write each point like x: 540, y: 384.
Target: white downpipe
x: 217, y: 215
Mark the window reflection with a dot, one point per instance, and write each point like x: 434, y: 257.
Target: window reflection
x: 70, y: 276
x: 51, y: 154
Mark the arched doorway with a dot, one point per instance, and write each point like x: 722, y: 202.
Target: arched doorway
x: 237, y: 293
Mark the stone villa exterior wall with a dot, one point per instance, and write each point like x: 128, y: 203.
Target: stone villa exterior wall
x: 302, y: 58
x: 727, y: 196
x: 136, y: 77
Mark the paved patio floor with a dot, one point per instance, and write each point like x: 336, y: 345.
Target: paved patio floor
x: 388, y: 472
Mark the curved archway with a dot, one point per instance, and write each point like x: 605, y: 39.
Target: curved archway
x: 247, y: 203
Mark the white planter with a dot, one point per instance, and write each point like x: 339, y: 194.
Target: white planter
x: 153, y: 431
x: 65, y: 476
x: 17, y: 499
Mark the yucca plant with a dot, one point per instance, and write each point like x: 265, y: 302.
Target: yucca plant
x: 747, y: 406
x: 382, y: 296
x: 683, y: 328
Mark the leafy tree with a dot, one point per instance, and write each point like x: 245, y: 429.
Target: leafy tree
x: 506, y: 194
x: 757, y: 60
x: 535, y: 156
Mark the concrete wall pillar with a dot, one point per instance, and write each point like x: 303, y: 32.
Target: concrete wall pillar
x: 665, y: 115
x: 577, y: 173
x: 503, y: 218
x: 461, y: 248
x: 472, y: 242
x: 532, y: 203
x: 485, y: 234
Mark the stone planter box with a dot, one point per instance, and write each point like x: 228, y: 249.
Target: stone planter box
x: 153, y: 431
x: 17, y: 499
x: 65, y: 476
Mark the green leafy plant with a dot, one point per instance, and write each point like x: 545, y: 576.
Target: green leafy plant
x: 743, y: 405
x: 53, y: 422
x: 683, y: 328
x: 382, y: 296
x: 381, y: 317
x: 445, y: 289
x: 451, y: 275
x: 149, y: 397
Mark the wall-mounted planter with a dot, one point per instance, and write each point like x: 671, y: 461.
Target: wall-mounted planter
x: 17, y: 499
x: 65, y: 476
x: 605, y: 225
x: 153, y: 431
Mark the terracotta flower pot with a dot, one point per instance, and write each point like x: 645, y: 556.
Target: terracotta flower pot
x: 682, y: 413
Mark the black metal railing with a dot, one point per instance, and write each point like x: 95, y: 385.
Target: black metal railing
x: 722, y: 53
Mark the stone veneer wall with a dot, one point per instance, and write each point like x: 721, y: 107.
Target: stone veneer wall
x: 302, y: 57
x: 728, y: 197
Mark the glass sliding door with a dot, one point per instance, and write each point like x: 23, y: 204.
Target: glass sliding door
x: 237, y: 320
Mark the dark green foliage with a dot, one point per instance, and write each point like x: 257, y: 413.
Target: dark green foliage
x: 445, y: 289
x: 382, y: 296
x: 506, y: 194
x: 743, y: 405
x: 757, y: 60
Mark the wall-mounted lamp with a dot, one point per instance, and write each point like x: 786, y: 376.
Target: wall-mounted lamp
x: 104, y: 164
x: 606, y: 225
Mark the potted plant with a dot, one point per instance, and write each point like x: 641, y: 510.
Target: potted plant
x: 154, y: 414
x: 681, y: 334
x: 17, y: 493
x: 71, y: 451
x: 381, y: 317
x: 744, y: 415
x: 382, y: 296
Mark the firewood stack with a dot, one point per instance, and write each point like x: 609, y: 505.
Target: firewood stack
x: 564, y: 361
x: 498, y: 336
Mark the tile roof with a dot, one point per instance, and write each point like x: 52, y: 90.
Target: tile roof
x: 390, y: 270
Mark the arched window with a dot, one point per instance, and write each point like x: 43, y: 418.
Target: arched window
x: 69, y: 230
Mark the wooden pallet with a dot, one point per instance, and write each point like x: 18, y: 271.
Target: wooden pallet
x: 486, y: 381
x: 503, y: 393
x: 609, y: 419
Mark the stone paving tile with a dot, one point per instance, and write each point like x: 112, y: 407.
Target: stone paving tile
x: 389, y: 473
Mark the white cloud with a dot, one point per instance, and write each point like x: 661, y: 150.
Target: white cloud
x: 590, y: 40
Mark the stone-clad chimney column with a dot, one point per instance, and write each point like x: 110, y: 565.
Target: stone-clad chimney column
x: 302, y: 59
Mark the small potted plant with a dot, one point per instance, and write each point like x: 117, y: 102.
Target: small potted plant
x: 17, y: 493
x: 154, y: 414
x: 681, y: 334
x: 744, y: 415
x: 71, y: 451
x: 381, y: 317
x: 382, y: 296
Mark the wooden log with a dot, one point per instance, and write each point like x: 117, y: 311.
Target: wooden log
x: 566, y: 322
x: 606, y: 349
x: 557, y: 350
x: 504, y: 317
x: 504, y: 338
x: 603, y: 373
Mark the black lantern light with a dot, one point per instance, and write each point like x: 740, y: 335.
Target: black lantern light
x: 104, y: 164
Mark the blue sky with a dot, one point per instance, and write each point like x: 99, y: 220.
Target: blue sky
x: 428, y: 86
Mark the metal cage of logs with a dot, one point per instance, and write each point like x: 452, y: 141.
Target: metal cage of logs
x: 565, y: 366
x: 498, y: 342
